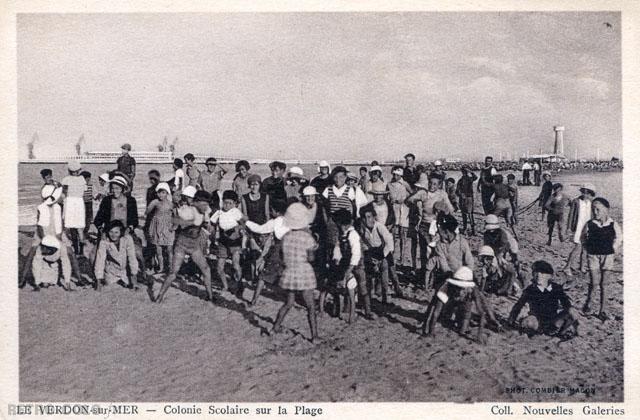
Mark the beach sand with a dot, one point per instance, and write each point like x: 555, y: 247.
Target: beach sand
x: 117, y: 345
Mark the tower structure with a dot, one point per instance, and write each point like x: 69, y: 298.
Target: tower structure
x: 558, y: 147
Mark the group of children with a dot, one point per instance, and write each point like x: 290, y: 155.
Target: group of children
x: 340, y: 233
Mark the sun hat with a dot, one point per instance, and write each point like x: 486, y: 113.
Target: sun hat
x: 491, y: 222
x: 104, y: 177
x: 50, y: 241
x: 189, y: 191
x: 437, y: 163
x: 463, y: 277
x: 163, y: 186
x: 51, y: 193
x: 296, y: 216
x: 589, y: 187
x: 423, y: 181
x: 546, y: 173
x: 295, y: 172
x: 375, y: 168
x: 74, y: 165
x: 351, y: 175
x: 126, y: 146
x: 487, y: 251
x: 398, y: 171
x: 309, y: 190
x: 323, y: 164
x: 253, y: 178
x: 119, y: 180
x: 379, y: 189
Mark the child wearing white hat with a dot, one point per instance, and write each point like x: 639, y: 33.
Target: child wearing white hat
x: 51, y: 264
x: 161, y: 233
x: 459, y: 292
x: 74, y: 216
x: 323, y: 179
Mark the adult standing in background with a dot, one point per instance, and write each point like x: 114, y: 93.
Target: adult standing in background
x: 485, y: 184
x: 127, y: 165
x: 537, y: 172
x: 410, y: 172
x: 323, y: 180
x: 526, y: 173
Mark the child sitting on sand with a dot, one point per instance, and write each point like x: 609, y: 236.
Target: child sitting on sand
x: 349, y: 267
x: 496, y: 279
x: 230, y: 241
x: 457, y: 296
x: 556, y: 204
x: 51, y: 264
x: 116, y: 253
x: 298, y: 249
x: 550, y: 310
x: 602, y: 239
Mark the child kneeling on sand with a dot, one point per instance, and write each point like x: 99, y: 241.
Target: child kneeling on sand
x: 116, y: 253
x: 550, y: 310
x: 497, y: 279
x: 602, y: 239
x: 298, y: 251
x: 457, y: 296
x: 51, y: 264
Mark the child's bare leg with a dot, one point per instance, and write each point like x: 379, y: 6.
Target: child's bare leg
x: 593, y: 275
x: 75, y: 266
x: 384, y: 279
x: 160, y: 257
x: 178, y: 259
x: 365, y: 292
x: 351, y: 302
x: 571, y: 257
x: 237, y: 270
x: 27, y: 266
x: 202, y: 263
x: 291, y: 298
x: 321, y: 300
x: 169, y: 257
x: 432, y: 314
x: 258, y: 291
x: 310, y: 302
x: 221, y: 274
x: 604, y: 278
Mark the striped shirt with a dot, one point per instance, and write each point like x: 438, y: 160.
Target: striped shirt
x: 88, y: 194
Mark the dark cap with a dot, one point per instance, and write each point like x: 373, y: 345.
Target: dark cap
x: 202, y: 195
x: 542, y: 266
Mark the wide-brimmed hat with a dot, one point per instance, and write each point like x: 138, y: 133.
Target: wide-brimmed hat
x: 437, y: 163
x: 375, y: 168
x: 296, y: 216
x: 546, y: 173
x: 309, y: 190
x: 295, y: 172
x: 126, y: 146
x: 588, y: 187
x: 51, y: 193
x: 104, y: 177
x: 323, y: 164
x: 163, y: 186
x: 486, y: 251
x: 463, y: 277
x: 74, y: 165
x: 423, y: 181
x: 50, y: 241
x: 379, y: 189
x: 491, y: 222
x: 189, y: 191
x: 119, y: 180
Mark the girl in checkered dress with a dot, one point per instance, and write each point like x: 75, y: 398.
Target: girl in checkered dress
x: 298, y: 251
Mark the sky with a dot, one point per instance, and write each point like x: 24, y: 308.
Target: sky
x: 322, y: 85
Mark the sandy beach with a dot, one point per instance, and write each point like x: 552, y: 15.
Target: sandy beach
x: 117, y: 345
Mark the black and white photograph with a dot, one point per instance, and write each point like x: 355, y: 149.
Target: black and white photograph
x: 363, y: 206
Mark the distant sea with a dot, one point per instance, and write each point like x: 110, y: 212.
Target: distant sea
x: 609, y: 184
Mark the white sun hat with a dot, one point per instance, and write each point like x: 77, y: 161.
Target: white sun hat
x: 296, y: 172
x: 375, y: 168
x: 50, y: 241
x: 463, y: 277
x: 491, y: 222
x: 323, y: 164
x: 164, y: 187
x: 309, y: 190
x: 437, y: 163
x: 189, y: 191
x: 486, y: 251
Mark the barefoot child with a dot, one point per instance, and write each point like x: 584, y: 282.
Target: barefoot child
x: 255, y: 207
x: 513, y: 197
x: 349, y: 266
x: 230, y: 241
x: 73, y: 216
x: 556, y: 205
x: 496, y: 279
x: 298, y: 249
x: 545, y: 192
x: 602, y: 239
x: 189, y: 223
x: 161, y: 234
x: 550, y: 310
x: 116, y: 253
x: 579, y: 215
x: 269, y: 261
x: 385, y: 216
x: 464, y: 189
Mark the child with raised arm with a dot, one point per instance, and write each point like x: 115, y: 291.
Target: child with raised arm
x: 602, y: 239
x: 550, y: 309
